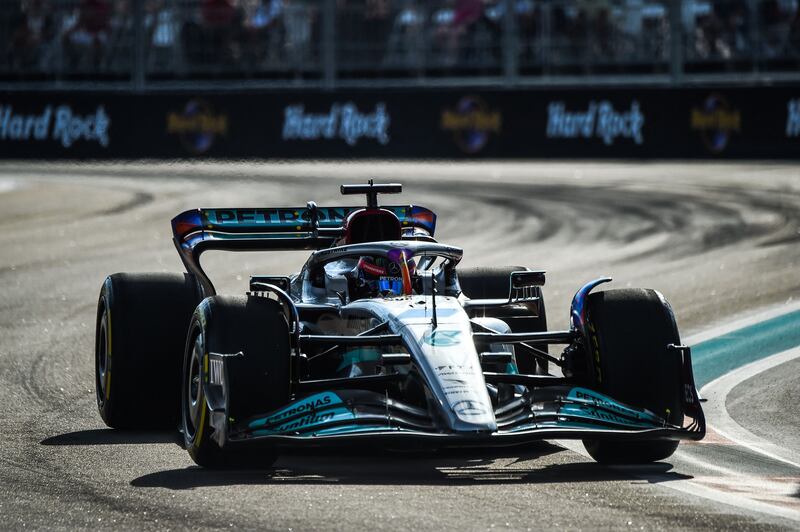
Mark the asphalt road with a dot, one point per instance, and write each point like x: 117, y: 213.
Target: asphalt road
x: 777, y: 396
x: 719, y: 240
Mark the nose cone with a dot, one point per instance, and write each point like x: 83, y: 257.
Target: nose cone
x: 447, y: 357
x: 462, y: 390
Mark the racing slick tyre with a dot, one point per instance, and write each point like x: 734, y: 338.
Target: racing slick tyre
x: 630, y: 362
x: 494, y: 283
x: 254, y: 330
x: 140, y: 333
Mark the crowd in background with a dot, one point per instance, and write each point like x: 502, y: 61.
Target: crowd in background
x: 184, y: 36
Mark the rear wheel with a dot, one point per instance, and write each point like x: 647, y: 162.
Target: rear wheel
x: 631, y: 363
x: 257, y: 379
x: 495, y: 283
x: 140, y: 332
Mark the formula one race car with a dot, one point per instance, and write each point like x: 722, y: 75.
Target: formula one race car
x: 380, y: 338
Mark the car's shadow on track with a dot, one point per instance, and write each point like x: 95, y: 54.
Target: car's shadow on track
x: 452, y: 467
x: 110, y: 437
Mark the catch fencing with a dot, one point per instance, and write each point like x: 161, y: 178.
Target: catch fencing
x: 158, y: 44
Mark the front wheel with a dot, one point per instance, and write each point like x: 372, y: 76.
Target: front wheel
x: 253, y: 335
x: 630, y: 330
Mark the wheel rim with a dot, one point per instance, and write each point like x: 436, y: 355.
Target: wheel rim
x: 101, y: 360
x: 193, y: 389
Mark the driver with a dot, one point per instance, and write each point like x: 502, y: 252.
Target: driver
x: 379, y: 276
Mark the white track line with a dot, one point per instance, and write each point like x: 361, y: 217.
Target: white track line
x: 717, y: 492
x: 718, y: 417
x: 751, y: 319
x: 729, y: 488
x: 7, y: 185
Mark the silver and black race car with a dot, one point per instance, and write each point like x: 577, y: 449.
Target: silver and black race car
x: 382, y: 339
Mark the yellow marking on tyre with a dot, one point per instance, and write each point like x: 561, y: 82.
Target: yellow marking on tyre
x: 596, y: 350
x: 108, y: 333
x: 198, y: 434
x: 108, y: 353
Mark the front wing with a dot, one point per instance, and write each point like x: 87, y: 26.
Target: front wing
x: 350, y: 416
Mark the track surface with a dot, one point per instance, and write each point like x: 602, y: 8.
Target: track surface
x: 720, y: 241
x: 772, y: 391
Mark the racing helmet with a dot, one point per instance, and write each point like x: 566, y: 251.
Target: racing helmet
x: 383, y: 276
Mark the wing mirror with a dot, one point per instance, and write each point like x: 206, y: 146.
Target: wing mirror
x: 337, y: 285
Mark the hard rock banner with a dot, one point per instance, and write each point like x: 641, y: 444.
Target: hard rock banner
x: 626, y: 123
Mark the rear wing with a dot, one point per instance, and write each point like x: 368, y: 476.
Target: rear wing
x: 265, y: 229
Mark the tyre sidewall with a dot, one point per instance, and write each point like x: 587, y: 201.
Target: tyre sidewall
x: 628, y: 360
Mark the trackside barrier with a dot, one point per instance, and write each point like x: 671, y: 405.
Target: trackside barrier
x: 705, y: 123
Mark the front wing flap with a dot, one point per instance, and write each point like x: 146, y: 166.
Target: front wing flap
x: 562, y: 412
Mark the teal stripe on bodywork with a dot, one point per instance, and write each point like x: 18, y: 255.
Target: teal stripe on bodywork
x: 614, y: 411
x: 353, y: 429
x: 302, y: 407
x: 591, y: 415
x: 361, y: 354
x: 309, y: 422
x: 715, y: 357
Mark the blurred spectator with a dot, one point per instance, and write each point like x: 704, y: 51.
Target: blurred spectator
x: 211, y: 38
x: 218, y: 13
x: 377, y: 25
x: 705, y: 38
x: 655, y: 34
x: 161, y: 27
x: 84, y: 42
x: 405, y: 47
x: 775, y: 20
x: 298, y: 20
x: 730, y: 31
x: 51, y: 37
x: 119, y: 52
x: 364, y: 31
x: 221, y: 22
x: 602, y: 32
x: 578, y: 34
x: 529, y: 25
x: 793, y: 40
x: 32, y: 31
x: 261, y: 32
x: 456, y: 26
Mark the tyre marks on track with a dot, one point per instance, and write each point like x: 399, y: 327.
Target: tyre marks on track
x: 577, y: 227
